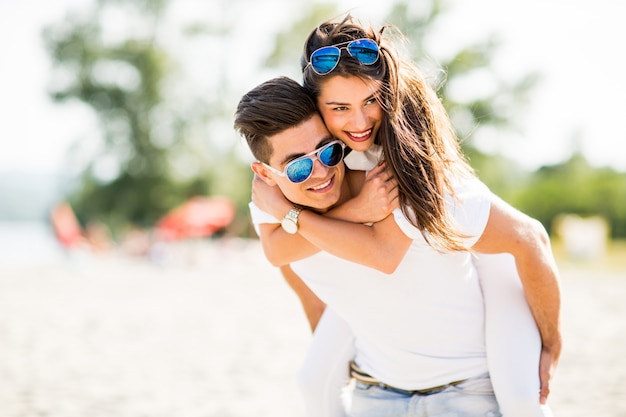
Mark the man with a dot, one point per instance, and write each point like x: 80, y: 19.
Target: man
x: 422, y: 340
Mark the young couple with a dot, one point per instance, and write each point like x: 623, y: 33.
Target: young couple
x: 435, y: 293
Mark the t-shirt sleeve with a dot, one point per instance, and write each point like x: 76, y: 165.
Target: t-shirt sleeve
x: 469, y: 211
x: 259, y: 216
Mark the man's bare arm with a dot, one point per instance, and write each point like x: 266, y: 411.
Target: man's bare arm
x: 509, y: 230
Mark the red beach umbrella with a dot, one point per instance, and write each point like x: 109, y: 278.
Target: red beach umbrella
x: 197, y: 217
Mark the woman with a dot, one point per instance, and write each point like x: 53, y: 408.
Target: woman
x: 382, y: 108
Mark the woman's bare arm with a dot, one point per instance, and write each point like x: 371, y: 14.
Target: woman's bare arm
x: 376, y: 199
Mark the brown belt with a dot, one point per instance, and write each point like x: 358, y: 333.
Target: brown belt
x: 361, y: 376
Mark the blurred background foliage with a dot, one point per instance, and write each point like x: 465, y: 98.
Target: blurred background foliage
x: 157, y: 146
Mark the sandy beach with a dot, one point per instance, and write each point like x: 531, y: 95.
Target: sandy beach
x: 213, y: 331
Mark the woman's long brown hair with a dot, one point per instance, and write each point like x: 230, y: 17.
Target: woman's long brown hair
x: 419, y: 144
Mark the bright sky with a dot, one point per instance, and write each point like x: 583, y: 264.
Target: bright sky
x: 576, y: 44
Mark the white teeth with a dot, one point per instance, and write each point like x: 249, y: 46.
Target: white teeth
x: 319, y: 187
x: 361, y: 135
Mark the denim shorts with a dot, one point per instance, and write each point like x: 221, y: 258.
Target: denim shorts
x: 473, y: 397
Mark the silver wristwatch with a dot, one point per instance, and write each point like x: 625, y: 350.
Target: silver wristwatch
x: 289, y: 223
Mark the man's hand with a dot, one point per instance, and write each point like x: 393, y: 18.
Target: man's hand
x: 269, y: 198
x: 378, y: 197
x: 547, y: 366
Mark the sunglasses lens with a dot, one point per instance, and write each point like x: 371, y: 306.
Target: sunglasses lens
x: 331, y: 155
x: 365, y: 50
x: 299, y: 170
x: 325, y: 59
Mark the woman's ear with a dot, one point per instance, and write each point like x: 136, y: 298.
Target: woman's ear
x: 262, y: 172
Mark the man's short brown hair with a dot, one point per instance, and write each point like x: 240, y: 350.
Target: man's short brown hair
x: 269, y: 109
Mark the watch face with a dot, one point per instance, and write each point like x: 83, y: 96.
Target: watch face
x: 289, y: 226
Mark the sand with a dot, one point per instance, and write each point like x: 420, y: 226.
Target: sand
x: 211, y: 330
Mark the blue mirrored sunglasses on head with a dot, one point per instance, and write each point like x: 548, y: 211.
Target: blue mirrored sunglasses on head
x: 326, y: 58
x: 300, y: 169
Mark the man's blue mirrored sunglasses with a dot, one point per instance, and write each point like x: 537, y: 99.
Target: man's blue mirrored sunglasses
x: 326, y: 58
x: 300, y: 169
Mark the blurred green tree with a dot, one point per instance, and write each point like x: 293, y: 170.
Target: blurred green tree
x: 151, y: 157
x: 575, y: 187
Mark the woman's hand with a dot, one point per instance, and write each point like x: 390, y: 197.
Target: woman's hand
x: 269, y: 198
x: 378, y: 197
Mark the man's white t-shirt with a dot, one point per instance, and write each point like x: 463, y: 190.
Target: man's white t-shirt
x: 423, y: 325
